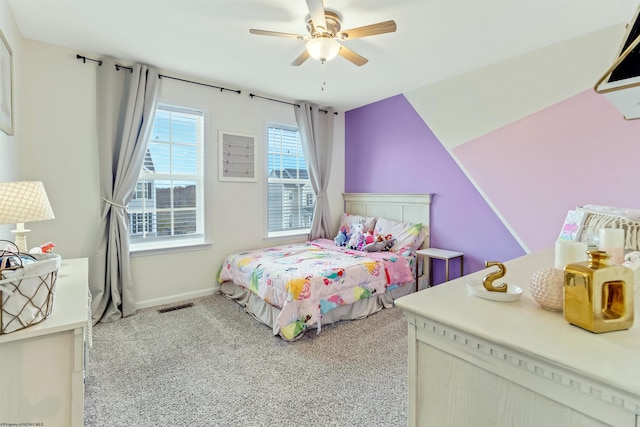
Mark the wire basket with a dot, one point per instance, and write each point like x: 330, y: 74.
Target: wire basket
x: 27, y: 288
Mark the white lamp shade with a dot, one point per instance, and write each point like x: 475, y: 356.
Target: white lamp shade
x: 24, y: 201
x: 323, y: 48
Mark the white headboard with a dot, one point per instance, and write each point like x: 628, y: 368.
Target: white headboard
x: 414, y: 208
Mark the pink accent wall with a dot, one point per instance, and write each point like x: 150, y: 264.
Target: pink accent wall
x: 579, y: 151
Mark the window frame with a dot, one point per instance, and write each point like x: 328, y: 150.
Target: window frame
x: 303, y: 199
x: 194, y: 241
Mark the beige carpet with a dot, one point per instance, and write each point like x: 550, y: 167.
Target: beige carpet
x: 214, y: 365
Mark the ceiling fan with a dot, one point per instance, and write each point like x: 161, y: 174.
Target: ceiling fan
x: 324, y: 32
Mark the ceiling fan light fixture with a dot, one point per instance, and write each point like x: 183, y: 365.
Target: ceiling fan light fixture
x: 323, y: 48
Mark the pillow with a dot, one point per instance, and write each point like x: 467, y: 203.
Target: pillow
x: 405, y: 234
x: 348, y: 221
x: 424, y: 233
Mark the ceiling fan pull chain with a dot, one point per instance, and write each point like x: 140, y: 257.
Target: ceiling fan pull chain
x: 323, y: 82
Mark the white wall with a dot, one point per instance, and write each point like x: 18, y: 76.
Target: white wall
x: 494, y: 96
x: 9, y: 144
x: 59, y: 134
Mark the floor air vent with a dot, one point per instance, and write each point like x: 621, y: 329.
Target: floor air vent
x: 175, y: 307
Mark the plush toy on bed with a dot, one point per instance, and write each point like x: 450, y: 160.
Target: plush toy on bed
x: 342, y: 238
x: 382, y: 243
x: 358, y: 239
x: 368, y: 238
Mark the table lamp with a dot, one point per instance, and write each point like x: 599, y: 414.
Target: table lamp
x: 20, y: 202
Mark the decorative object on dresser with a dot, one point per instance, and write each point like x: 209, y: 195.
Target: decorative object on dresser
x: 23, y: 201
x: 597, y: 217
x: 547, y: 285
x: 612, y: 240
x: 487, y: 281
x: 485, y: 288
x: 547, y: 288
x: 27, y: 289
x: 598, y: 296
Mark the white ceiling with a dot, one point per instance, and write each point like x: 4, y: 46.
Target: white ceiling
x: 209, y: 39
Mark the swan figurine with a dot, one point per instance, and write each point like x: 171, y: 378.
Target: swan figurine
x: 488, y: 280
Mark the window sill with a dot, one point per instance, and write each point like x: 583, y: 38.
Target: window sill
x: 288, y: 236
x: 159, y: 248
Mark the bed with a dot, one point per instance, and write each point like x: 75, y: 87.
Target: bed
x: 300, y: 287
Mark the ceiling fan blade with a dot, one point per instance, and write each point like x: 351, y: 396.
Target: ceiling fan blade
x: 352, y: 56
x: 276, y: 34
x: 368, y: 30
x: 300, y: 59
x: 316, y: 10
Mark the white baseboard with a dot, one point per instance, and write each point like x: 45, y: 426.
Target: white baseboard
x: 175, y: 298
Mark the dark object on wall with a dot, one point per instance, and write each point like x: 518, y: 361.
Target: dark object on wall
x: 621, y: 82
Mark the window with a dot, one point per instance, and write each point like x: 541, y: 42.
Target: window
x: 140, y: 223
x: 143, y: 190
x: 168, y: 202
x: 290, y: 195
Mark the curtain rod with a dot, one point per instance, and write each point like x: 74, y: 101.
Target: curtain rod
x: 118, y: 67
x: 253, y: 95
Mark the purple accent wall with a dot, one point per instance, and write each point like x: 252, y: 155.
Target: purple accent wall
x: 390, y: 149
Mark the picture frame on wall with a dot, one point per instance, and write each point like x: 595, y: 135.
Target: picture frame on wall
x: 6, y: 86
x: 237, y: 157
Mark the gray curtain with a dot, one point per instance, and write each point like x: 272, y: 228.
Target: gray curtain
x: 316, y: 130
x: 126, y: 103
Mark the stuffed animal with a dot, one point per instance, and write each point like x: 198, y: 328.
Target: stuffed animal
x: 369, y: 238
x: 357, y: 238
x: 382, y: 243
x: 341, y: 239
x: 389, y: 241
x: 375, y: 246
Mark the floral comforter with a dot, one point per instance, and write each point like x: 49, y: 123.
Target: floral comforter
x: 309, y: 279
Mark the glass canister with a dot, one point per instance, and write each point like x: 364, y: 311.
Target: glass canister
x: 598, y: 296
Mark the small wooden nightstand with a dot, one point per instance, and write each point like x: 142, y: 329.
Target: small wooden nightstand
x: 443, y: 254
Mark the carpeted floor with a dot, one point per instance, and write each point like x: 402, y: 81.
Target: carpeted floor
x: 214, y: 365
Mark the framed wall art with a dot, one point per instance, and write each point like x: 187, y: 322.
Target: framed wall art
x: 6, y: 86
x: 237, y: 157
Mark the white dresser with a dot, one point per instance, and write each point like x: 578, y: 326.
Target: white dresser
x: 475, y: 362
x: 42, y: 367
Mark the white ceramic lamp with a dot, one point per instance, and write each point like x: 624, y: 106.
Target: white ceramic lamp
x: 20, y: 202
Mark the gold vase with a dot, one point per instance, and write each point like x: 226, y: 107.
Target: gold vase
x: 598, y: 296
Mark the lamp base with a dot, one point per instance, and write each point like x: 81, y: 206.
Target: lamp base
x: 20, y: 240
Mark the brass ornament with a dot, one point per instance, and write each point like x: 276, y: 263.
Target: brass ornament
x: 488, y: 280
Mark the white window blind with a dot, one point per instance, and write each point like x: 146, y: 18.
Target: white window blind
x: 290, y: 195
x: 168, y: 203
